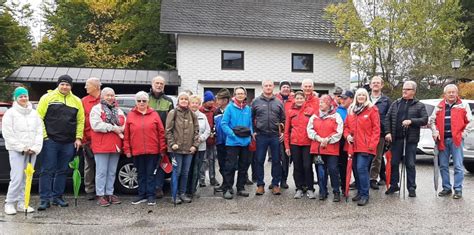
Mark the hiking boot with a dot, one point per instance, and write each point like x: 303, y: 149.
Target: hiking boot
x: 102, y: 201
x: 445, y: 192
x: 242, y: 193
x: 457, y: 195
x: 298, y: 194
x: 10, y: 209
x: 374, y: 185
x: 411, y: 193
x: 248, y: 182
x: 392, y: 190
x: 21, y: 207
x: 270, y: 186
x: 90, y: 196
x: 185, y: 198
x: 114, y: 199
x: 276, y: 190
x: 323, y: 196
x: 60, y: 202
x: 228, y: 195
x: 382, y: 182
x: 284, y: 185
x: 311, y: 194
x: 43, y: 205
x: 214, y: 182
x: 260, y: 191
x: 159, y: 193
x: 337, y: 197
x: 363, y: 202
x: 356, y: 198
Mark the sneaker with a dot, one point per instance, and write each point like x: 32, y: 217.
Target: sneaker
x: 151, y: 201
x: 43, y: 205
x: 374, y: 185
x: 411, y: 193
x: 21, y: 207
x: 138, y: 200
x: 298, y: 194
x: 242, y: 193
x: 337, y: 197
x: 260, y: 191
x: 10, y: 209
x: 214, y: 182
x: 457, y: 195
x: 323, y: 196
x: 114, y: 199
x: 103, y: 201
x: 159, y: 193
x: 185, y: 198
x: 276, y: 190
x: 445, y: 192
x: 356, y: 198
x: 202, y: 184
x: 228, y: 195
x: 392, y: 190
x: 311, y: 194
x: 178, y: 201
x: 90, y: 196
x: 284, y: 185
x: 363, y: 202
x: 59, y: 201
x: 218, y: 189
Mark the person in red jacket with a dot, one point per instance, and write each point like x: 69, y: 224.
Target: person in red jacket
x: 208, y: 108
x: 325, y: 130
x: 297, y: 144
x: 144, y: 139
x: 362, y: 130
x: 286, y: 96
x: 107, y: 122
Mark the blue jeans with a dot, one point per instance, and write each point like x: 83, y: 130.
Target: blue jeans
x: 409, y: 161
x: 146, y: 165
x: 55, y: 158
x: 263, y: 142
x: 105, y: 169
x: 330, y: 169
x: 194, y: 172
x: 458, y: 156
x: 182, y: 170
x: 360, y: 166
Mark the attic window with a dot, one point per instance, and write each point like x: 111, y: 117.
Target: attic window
x: 302, y: 62
x: 232, y: 60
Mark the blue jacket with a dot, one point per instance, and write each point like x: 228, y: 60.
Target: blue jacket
x: 342, y: 111
x: 220, y: 134
x: 235, y: 116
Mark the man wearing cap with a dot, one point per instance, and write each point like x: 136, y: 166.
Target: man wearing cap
x: 162, y: 104
x: 222, y: 100
x: 208, y: 108
x: 286, y: 97
x: 383, y: 104
x: 93, y: 97
x: 346, y: 101
x: 63, y: 118
x: 336, y: 95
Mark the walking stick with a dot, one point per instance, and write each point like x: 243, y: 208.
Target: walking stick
x: 403, y: 173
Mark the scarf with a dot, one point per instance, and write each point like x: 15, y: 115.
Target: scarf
x: 111, y: 113
x: 358, y: 109
x: 239, y: 104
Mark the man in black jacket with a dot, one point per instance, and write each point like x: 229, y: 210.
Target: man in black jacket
x: 383, y: 104
x: 268, y: 113
x: 402, y: 128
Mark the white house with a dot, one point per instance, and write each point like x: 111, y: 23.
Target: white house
x: 242, y: 42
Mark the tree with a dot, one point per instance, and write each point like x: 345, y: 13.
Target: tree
x: 400, y: 39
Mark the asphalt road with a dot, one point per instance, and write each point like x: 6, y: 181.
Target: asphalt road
x: 210, y: 213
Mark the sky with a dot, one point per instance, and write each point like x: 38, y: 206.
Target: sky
x: 37, y: 23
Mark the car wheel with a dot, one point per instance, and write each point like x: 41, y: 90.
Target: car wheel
x: 127, y: 180
x: 469, y: 166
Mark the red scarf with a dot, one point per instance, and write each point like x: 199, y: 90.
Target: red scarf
x: 240, y: 105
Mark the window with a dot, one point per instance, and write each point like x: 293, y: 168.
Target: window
x: 233, y: 60
x: 301, y: 62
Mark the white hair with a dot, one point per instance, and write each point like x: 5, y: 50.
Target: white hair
x: 184, y: 93
x: 307, y: 80
x: 95, y: 81
x: 450, y: 86
x: 159, y: 77
x: 141, y: 95
x: 267, y: 80
x: 412, y: 83
x: 367, y: 102
x: 105, y: 91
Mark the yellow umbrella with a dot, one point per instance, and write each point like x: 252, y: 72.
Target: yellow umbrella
x: 29, y: 178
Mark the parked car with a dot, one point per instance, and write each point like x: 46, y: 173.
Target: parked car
x: 426, y: 144
x: 127, y: 101
x: 3, y: 108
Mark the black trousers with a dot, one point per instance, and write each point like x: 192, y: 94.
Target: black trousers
x: 302, y: 167
x: 237, y: 159
x: 285, y: 163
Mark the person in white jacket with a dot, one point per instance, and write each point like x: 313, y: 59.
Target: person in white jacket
x: 23, y: 133
x: 198, y: 158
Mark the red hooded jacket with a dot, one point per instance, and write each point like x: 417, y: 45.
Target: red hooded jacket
x: 295, y: 126
x: 365, y: 129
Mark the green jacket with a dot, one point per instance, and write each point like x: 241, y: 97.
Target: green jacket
x: 62, y: 115
x: 162, y: 104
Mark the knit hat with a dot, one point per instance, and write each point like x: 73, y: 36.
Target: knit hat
x: 65, y: 78
x: 223, y: 93
x: 19, y: 91
x: 337, y: 91
x: 208, y: 96
x: 285, y: 82
x: 326, y: 99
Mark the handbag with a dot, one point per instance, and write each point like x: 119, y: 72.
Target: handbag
x: 241, y: 131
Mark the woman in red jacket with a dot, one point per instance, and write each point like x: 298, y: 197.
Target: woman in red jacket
x: 107, y: 123
x: 297, y: 144
x: 362, y: 130
x: 325, y: 130
x: 144, y: 139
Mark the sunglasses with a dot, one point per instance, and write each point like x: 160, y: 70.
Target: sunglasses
x: 142, y: 101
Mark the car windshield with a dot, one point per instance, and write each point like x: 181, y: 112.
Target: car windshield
x: 429, y: 109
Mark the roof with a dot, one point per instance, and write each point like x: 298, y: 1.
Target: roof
x: 277, y: 19
x: 80, y: 75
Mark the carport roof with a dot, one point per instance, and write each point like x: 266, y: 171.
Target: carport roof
x: 80, y: 75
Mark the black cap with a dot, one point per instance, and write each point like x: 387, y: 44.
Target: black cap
x: 285, y: 82
x: 65, y: 78
x: 348, y: 94
x: 337, y: 91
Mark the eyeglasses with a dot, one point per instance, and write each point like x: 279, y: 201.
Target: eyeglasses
x: 142, y: 101
x: 408, y: 89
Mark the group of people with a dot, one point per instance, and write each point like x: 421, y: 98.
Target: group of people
x: 297, y: 127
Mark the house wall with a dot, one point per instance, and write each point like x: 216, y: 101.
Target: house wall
x: 199, y: 59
